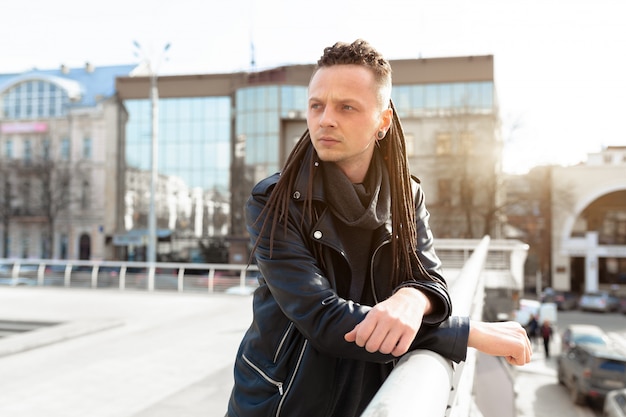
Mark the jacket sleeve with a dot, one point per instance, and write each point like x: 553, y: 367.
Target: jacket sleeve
x: 303, y: 294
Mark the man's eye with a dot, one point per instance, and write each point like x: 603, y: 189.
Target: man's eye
x: 348, y: 107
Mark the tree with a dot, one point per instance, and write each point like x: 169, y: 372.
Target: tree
x: 466, y: 167
x: 7, y: 195
x: 48, y: 189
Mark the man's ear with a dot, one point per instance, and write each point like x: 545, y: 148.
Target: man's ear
x: 386, y: 118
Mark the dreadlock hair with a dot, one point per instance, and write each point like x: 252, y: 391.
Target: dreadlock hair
x: 393, y: 150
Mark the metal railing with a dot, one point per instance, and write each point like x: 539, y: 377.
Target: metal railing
x: 182, y: 277
x: 424, y: 381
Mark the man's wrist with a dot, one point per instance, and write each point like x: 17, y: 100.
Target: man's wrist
x: 419, y: 296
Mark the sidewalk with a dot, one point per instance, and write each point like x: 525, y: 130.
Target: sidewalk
x: 123, y: 354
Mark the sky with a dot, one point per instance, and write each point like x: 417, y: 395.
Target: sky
x: 560, y: 66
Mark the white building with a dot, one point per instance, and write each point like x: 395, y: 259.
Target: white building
x: 60, y: 160
x: 589, y: 223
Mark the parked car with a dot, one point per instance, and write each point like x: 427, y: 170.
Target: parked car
x: 575, y: 334
x: 161, y: 282
x: 615, y: 404
x: 591, y: 371
x: 564, y: 300
x: 18, y: 281
x: 622, y: 305
x: 601, y: 301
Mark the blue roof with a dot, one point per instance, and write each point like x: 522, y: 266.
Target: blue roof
x: 89, y: 86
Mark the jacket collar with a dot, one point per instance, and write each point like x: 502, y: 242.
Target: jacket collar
x: 310, y: 165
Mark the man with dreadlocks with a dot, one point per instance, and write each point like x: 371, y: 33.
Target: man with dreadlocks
x: 349, y: 279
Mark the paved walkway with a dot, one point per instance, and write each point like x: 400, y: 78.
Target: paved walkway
x: 123, y: 354
x: 137, y: 354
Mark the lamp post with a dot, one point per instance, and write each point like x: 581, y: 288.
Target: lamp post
x: 152, y: 69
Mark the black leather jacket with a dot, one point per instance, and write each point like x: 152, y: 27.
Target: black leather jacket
x: 285, y: 363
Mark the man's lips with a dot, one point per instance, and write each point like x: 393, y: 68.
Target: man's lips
x: 327, y: 140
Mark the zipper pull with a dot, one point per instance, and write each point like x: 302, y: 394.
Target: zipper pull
x: 280, y: 388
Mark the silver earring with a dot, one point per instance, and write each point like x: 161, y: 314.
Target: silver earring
x: 381, y: 134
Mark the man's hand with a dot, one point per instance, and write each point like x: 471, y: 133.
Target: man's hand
x: 391, y: 325
x: 507, y: 339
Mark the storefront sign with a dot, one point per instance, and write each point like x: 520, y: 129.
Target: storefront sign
x: 24, y: 127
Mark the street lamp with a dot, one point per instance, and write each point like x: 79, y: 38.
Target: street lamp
x: 152, y: 67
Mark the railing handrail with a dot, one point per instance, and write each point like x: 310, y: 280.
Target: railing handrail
x: 426, y: 382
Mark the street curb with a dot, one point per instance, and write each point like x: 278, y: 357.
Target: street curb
x: 48, y: 335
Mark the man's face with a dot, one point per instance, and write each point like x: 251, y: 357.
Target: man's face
x: 344, y: 117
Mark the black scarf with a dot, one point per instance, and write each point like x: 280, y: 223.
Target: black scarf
x: 358, y: 209
x: 366, y: 205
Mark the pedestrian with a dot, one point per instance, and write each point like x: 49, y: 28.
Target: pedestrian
x: 532, y: 328
x: 349, y: 279
x: 546, y: 335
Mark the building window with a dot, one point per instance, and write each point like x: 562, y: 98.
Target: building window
x: 443, y: 143
x: 26, y: 194
x: 445, y: 192
x: 466, y: 143
x: 28, y: 151
x: 34, y: 100
x: 46, y: 149
x: 25, y: 244
x: 63, y: 246
x: 420, y: 99
x: 87, y: 148
x: 8, y: 149
x: 65, y: 149
x: 84, y: 196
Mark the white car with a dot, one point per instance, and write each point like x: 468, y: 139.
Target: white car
x: 583, y: 333
x: 615, y: 404
x: 600, y: 301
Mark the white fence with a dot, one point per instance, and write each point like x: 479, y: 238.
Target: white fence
x: 184, y: 277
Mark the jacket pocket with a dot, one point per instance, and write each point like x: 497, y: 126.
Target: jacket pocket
x: 282, y: 387
x: 263, y: 375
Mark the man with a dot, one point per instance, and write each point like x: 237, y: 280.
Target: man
x: 349, y: 279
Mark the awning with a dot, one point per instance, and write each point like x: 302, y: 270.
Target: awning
x: 139, y: 237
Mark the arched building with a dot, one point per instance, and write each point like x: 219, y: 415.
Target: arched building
x: 589, y: 223
x: 60, y: 162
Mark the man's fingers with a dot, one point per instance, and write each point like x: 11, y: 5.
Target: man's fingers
x: 351, y: 335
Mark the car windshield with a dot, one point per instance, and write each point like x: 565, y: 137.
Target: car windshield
x: 589, y: 338
x: 613, y: 366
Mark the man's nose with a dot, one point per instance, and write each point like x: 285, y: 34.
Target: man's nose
x: 328, y: 118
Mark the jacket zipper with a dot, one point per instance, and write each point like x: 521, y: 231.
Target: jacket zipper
x: 383, y: 243
x: 277, y: 384
x: 293, y: 377
x: 282, y: 341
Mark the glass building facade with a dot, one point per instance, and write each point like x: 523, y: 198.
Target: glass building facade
x: 193, y: 183
x: 259, y: 114
x: 193, y: 140
x: 421, y: 99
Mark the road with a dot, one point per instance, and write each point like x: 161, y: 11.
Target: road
x: 546, y: 381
